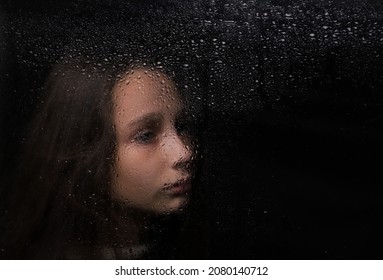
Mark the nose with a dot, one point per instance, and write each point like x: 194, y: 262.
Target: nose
x: 179, y: 152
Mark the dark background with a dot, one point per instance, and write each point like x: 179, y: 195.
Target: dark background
x: 291, y: 95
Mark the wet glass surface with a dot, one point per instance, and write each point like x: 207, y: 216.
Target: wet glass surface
x: 288, y: 97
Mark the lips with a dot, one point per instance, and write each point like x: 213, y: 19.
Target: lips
x: 182, y: 186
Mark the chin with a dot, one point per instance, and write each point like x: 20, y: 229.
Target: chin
x: 176, y: 205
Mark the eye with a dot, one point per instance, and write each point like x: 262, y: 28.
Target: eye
x: 185, y: 126
x: 145, y: 136
x: 182, y: 127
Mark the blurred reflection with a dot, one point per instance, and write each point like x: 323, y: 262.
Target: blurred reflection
x: 108, y: 168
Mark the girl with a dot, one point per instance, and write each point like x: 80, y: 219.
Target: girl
x: 108, y: 169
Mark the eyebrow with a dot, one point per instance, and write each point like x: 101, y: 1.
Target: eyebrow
x: 146, y: 119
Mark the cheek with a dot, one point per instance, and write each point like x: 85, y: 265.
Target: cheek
x: 137, y: 168
x: 140, y: 177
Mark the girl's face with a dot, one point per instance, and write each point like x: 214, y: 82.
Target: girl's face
x: 153, y: 154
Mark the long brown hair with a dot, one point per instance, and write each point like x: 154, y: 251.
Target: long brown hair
x: 61, y: 190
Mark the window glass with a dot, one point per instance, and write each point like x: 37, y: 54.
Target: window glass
x: 267, y: 114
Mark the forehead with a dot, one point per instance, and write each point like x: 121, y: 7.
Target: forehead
x: 145, y: 91
x: 143, y: 83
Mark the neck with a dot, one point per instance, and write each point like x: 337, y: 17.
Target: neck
x: 129, y: 227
